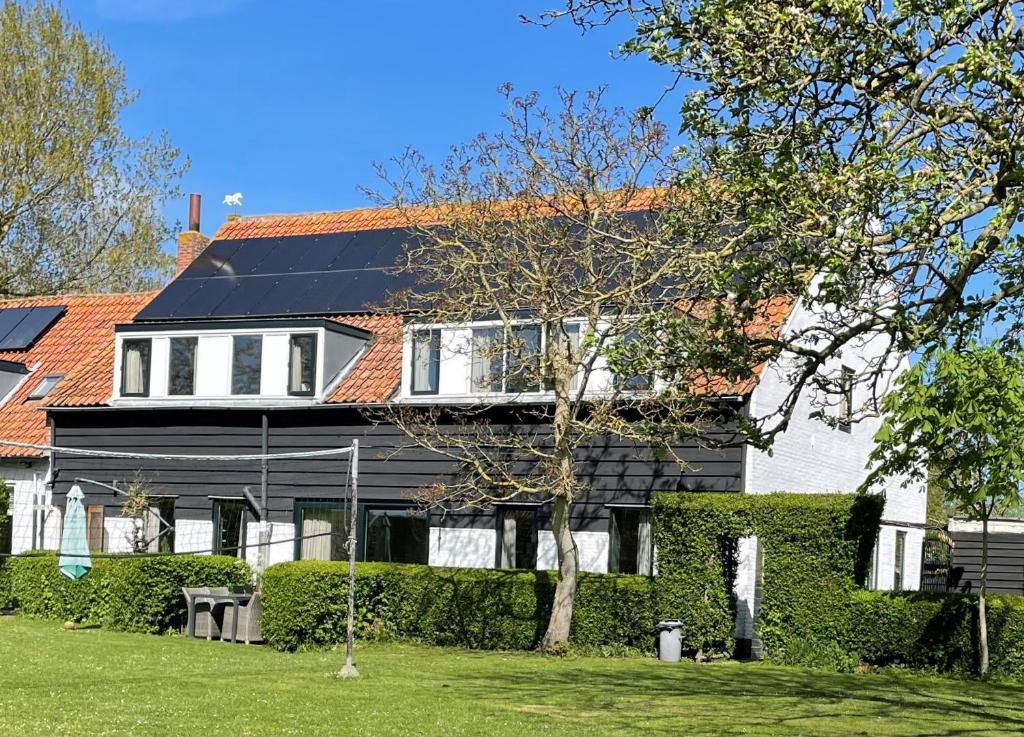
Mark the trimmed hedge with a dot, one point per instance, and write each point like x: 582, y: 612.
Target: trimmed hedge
x: 136, y: 594
x: 815, y: 547
x: 934, y: 632
x: 304, y: 606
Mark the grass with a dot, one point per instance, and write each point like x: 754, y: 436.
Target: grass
x: 89, y: 682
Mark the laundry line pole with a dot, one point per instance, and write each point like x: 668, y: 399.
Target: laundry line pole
x: 349, y: 670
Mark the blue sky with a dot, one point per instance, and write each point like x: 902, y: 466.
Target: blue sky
x: 290, y: 103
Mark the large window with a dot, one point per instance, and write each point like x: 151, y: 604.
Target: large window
x: 181, y: 369
x: 637, y: 381
x: 523, y: 359
x: 94, y: 532
x: 394, y: 535
x: 517, y: 537
x: 229, y: 527
x: 322, y: 531
x: 160, y: 524
x: 630, y: 545
x: 302, y: 364
x: 246, y: 361
x: 135, y: 354
x: 899, y: 561
x: 426, y: 360
x: 488, y: 360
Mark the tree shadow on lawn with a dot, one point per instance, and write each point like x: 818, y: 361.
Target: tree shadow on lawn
x: 754, y: 697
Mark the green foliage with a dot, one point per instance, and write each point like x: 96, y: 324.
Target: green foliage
x: 965, y: 409
x: 80, y: 200
x: 815, y: 548
x: 304, y: 604
x: 935, y: 632
x: 131, y: 594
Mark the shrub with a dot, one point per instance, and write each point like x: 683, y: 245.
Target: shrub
x: 133, y: 594
x: 935, y: 632
x: 815, y: 547
x: 304, y: 604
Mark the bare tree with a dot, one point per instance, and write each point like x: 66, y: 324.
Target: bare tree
x: 554, y: 233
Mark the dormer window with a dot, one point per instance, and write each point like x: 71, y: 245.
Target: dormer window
x: 302, y: 364
x: 135, y: 354
x: 181, y: 370
x: 426, y: 361
x: 523, y: 359
x: 246, y: 364
x: 488, y: 360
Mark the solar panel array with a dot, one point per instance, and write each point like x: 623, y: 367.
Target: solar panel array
x: 326, y: 274
x: 21, y: 326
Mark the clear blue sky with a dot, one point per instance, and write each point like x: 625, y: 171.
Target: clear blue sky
x: 290, y: 103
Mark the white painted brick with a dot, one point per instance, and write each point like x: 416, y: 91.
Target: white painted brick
x: 462, y: 548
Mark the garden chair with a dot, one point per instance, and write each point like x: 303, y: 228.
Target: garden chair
x: 248, y: 621
x: 204, y: 615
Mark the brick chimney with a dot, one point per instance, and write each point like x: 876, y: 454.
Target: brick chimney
x: 191, y: 242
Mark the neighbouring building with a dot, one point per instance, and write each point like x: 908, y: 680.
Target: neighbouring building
x: 42, y: 340
x: 268, y: 338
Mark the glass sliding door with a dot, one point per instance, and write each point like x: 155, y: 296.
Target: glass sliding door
x: 517, y: 538
x: 630, y: 544
x: 394, y: 535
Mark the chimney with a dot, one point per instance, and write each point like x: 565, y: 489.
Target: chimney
x: 191, y: 242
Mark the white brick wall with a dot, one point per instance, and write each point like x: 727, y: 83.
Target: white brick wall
x: 812, y: 457
x: 462, y: 548
x: 282, y: 544
x: 22, y: 478
x: 593, y: 547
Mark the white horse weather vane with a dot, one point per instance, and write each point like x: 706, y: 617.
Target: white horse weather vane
x: 233, y: 200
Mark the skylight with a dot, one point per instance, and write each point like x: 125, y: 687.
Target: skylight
x: 45, y: 386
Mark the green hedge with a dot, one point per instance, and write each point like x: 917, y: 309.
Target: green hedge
x: 133, y: 594
x: 934, y: 632
x: 304, y: 605
x: 5, y: 586
x: 815, y: 548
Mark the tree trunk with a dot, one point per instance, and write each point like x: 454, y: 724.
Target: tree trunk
x: 982, y: 615
x: 557, y: 635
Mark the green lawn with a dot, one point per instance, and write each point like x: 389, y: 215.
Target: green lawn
x: 90, y: 682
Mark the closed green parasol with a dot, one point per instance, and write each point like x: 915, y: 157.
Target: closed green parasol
x: 75, y: 561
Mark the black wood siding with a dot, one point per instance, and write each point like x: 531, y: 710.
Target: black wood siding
x: 1005, y: 561
x: 613, y: 469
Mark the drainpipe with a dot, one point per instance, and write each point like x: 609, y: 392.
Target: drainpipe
x: 263, y: 555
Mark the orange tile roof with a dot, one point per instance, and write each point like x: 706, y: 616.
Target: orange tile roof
x: 378, y: 373
x: 65, y: 348
x: 376, y: 218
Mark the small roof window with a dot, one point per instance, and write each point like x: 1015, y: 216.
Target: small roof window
x: 45, y: 386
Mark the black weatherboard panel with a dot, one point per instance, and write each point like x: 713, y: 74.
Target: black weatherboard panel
x: 21, y: 326
x: 322, y: 274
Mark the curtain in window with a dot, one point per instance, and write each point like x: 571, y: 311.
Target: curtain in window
x: 316, y: 537
x: 425, y: 349
x: 487, y: 361
x: 295, y: 382
x: 645, y: 545
x: 508, y: 541
x: 133, y: 369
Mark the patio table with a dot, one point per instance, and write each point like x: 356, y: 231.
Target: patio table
x: 235, y: 600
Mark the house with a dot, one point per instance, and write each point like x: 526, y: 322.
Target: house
x: 267, y: 338
x: 42, y: 340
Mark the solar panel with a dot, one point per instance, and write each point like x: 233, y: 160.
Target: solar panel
x: 25, y: 324
x: 295, y: 275
x: 323, y: 274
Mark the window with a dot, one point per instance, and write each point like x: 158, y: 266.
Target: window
x: 523, y: 360
x: 94, y: 527
x: 899, y: 555
x: 573, y: 331
x: 845, y: 397
x: 629, y: 541
x: 245, y: 364
x: 181, y: 371
x: 7, y: 534
x: 517, y: 537
x: 302, y: 365
x: 322, y: 529
x: 160, y: 525
x: 228, y: 527
x: 872, y: 578
x: 488, y: 358
x: 634, y: 382
x: 393, y: 535
x: 45, y: 386
x: 135, y: 367
x: 426, y: 361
